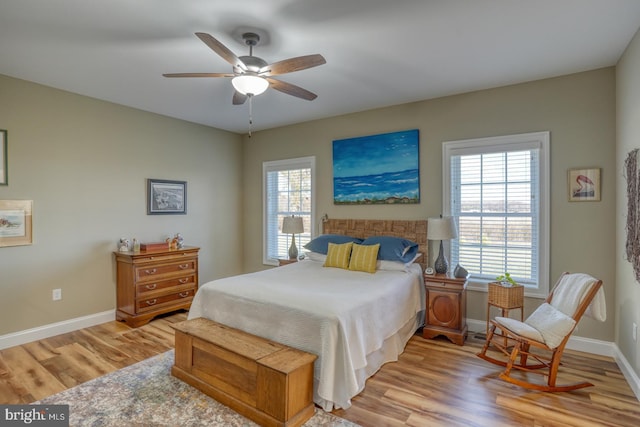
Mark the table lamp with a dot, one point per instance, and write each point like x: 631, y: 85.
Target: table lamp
x: 441, y: 229
x: 292, y: 225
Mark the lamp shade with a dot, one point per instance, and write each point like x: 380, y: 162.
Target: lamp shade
x: 247, y: 84
x: 292, y: 225
x: 441, y: 228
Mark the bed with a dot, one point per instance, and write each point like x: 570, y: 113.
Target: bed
x: 354, y: 321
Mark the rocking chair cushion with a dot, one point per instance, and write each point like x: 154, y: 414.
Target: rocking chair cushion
x: 520, y: 328
x: 552, y: 324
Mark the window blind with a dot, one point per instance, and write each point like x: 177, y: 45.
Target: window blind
x: 495, y: 200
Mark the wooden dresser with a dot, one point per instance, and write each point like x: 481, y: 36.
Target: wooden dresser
x: 155, y: 282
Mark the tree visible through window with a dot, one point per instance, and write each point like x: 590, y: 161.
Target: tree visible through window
x: 496, y: 191
x: 288, y: 190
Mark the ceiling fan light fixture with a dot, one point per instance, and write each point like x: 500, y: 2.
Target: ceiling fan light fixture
x: 248, y: 84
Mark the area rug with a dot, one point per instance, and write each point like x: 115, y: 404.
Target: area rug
x: 146, y: 394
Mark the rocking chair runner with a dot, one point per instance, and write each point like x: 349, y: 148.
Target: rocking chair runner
x: 547, y: 331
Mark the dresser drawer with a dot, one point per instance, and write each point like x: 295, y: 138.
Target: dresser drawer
x: 145, y: 304
x: 155, y: 257
x: 158, y: 270
x: 159, y: 285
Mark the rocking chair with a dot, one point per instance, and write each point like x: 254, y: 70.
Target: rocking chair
x: 546, y: 331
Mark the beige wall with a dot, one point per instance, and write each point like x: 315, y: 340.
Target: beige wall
x: 578, y: 110
x: 84, y: 163
x: 627, y: 302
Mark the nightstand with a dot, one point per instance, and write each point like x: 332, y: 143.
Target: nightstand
x: 285, y: 261
x: 446, y: 307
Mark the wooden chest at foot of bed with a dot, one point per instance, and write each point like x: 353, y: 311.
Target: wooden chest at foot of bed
x: 265, y: 381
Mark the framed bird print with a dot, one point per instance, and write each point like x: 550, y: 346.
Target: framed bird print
x: 584, y: 185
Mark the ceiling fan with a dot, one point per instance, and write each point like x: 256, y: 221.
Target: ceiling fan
x: 252, y: 75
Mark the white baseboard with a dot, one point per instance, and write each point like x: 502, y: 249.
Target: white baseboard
x: 53, y: 329
x: 587, y: 345
x: 628, y: 372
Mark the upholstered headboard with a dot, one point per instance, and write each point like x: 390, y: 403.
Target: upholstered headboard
x: 362, y: 228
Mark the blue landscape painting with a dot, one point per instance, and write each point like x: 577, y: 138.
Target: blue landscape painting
x: 377, y: 169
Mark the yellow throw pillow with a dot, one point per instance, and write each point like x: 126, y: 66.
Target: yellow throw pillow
x: 364, y: 258
x: 338, y: 255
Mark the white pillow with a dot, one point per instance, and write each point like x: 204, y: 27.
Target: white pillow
x: 552, y: 324
x: 396, y: 265
x: 390, y: 265
x: 316, y: 256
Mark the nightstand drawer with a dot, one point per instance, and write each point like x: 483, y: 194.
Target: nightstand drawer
x: 444, y: 284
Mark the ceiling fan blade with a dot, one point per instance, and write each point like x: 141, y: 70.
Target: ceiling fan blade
x: 292, y: 64
x: 199, y: 75
x: 291, y: 89
x: 238, y: 98
x: 222, y: 50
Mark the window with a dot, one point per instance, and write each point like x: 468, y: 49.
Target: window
x: 288, y: 190
x: 497, y: 189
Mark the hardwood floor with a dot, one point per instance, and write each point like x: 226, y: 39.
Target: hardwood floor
x: 435, y: 383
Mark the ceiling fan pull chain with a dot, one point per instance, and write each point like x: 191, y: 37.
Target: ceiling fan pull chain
x: 250, y: 96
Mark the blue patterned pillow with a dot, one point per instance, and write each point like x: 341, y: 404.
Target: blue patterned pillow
x: 321, y: 243
x: 393, y: 248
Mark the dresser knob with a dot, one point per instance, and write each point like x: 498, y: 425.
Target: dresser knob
x: 152, y: 271
x: 151, y: 301
x: 183, y: 266
x: 151, y: 287
x: 184, y: 294
x: 183, y: 281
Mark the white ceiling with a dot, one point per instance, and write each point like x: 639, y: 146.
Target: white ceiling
x: 378, y: 52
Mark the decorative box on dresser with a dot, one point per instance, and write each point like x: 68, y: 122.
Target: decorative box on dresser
x: 446, y: 307
x: 150, y: 283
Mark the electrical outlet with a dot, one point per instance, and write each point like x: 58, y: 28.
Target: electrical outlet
x: 634, y: 331
x: 56, y: 294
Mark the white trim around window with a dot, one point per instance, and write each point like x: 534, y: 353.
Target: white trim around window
x: 282, y: 198
x: 537, y: 144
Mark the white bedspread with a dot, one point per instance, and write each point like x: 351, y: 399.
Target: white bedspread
x: 353, y: 321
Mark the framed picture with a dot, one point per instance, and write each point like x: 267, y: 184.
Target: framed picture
x: 166, y: 197
x: 15, y: 222
x: 377, y: 169
x: 3, y: 158
x: 584, y: 185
